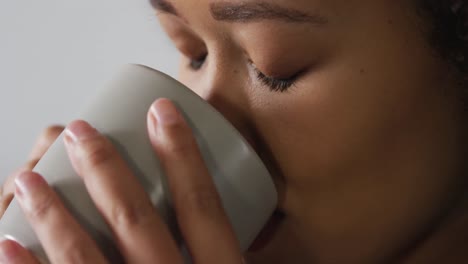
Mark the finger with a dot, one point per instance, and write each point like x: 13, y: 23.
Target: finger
x: 198, y: 207
x: 13, y: 253
x: 4, y: 203
x: 44, y: 141
x: 8, y: 186
x: 7, y: 190
x: 62, y: 237
x: 40, y: 147
x: 140, y: 232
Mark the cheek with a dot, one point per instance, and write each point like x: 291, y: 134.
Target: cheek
x: 342, y: 116
x: 347, y: 141
x: 369, y: 98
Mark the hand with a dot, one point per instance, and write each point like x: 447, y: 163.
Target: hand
x: 139, y: 232
x: 43, y: 142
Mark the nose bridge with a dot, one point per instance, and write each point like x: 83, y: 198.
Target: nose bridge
x: 224, y: 86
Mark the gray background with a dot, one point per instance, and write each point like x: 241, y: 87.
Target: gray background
x: 53, y: 55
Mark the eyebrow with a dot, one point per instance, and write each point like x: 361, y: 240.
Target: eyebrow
x: 163, y: 6
x: 245, y: 12
x: 255, y: 11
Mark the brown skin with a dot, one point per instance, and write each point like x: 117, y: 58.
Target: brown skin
x: 366, y: 148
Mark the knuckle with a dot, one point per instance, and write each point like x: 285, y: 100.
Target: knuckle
x: 131, y: 214
x: 97, y: 151
x: 181, y: 145
x: 41, y: 207
x: 176, y: 129
x: 204, y: 200
x: 179, y: 139
x: 75, y: 251
x: 181, y: 148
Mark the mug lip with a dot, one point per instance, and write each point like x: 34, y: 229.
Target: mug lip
x: 252, y: 152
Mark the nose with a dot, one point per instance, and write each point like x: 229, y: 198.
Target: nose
x: 223, y: 85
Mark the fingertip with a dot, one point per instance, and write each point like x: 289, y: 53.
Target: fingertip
x: 80, y: 130
x: 165, y: 112
x: 28, y: 183
x: 10, y: 251
x: 77, y: 122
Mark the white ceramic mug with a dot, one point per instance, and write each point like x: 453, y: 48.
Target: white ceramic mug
x: 119, y: 112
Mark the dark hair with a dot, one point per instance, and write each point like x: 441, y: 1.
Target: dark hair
x: 449, y: 31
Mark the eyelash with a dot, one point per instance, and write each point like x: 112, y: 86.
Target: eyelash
x: 275, y: 84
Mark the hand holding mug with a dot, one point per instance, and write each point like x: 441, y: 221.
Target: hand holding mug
x: 140, y: 232
x: 173, y: 182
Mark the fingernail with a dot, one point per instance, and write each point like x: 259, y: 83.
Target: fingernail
x: 165, y: 112
x: 27, y: 185
x: 9, y: 250
x: 79, y: 130
x: 153, y: 123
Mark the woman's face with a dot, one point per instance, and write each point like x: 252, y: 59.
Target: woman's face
x: 347, y: 106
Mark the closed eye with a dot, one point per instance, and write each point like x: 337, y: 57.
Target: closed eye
x: 275, y: 84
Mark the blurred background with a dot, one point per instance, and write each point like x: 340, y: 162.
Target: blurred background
x: 55, y: 53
